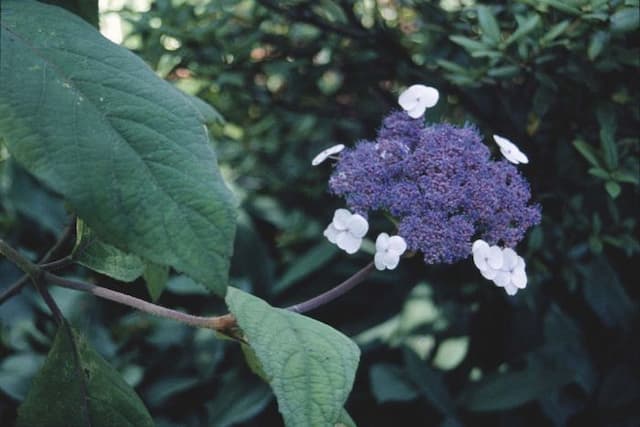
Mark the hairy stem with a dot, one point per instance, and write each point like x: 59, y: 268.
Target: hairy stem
x: 218, y: 323
x: 333, y: 293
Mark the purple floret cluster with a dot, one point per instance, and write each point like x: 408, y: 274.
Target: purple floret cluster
x: 439, y: 183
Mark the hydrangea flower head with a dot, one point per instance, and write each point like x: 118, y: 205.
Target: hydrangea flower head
x: 441, y: 186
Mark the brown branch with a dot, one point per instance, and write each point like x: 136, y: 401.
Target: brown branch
x: 15, y: 288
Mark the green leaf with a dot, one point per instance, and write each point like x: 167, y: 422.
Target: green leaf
x: 608, y: 125
x: 428, y: 381
x: 106, y: 259
x: 554, y: 32
x: 587, y: 152
x: 625, y: 176
x: 156, y: 277
x: 613, y: 188
x: 509, y: 390
x: 469, y: 44
x: 140, y: 171
x: 86, y: 9
x: 207, y: 114
x: 488, y: 24
x: 306, y: 264
x: 625, y: 20
x: 562, y: 5
x: 16, y: 372
x: 597, y: 43
x: 345, y: 420
x: 390, y: 383
x: 241, y: 399
x: 600, y: 173
x: 524, y: 28
x: 310, y: 366
x: 606, y: 294
x: 76, y: 387
x: 503, y: 72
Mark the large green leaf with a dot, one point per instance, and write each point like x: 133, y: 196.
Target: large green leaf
x: 127, y: 150
x: 78, y: 388
x: 310, y: 366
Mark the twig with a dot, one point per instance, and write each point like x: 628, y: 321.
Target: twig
x: 35, y: 274
x: 17, y: 286
x: 333, y: 293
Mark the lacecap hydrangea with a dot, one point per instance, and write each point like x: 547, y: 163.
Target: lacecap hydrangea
x: 440, y: 185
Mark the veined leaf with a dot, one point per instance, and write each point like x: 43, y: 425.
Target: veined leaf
x: 78, y: 388
x: 106, y: 259
x: 127, y: 150
x: 310, y: 366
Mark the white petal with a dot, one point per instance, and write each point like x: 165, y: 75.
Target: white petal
x: 378, y: 260
x: 489, y: 273
x: 357, y: 225
x: 510, y: 259
x: 521, y: 264
x: 382, y: 242
x: 519, y: 278
x: 502, y: 279
x: 331, y: 233
x: 479, y: 245
x: 341, y: 219
x: 511, y: 289
x: 501, y: 141
x: 415, y: 95
x: 417, y: 111
x: 322, y: 156
x: 510, y: 151
x: 495, y: 258
x: 409, y: 98
x: 397, y: 245
x: 480, y: 259
x: 348, y: 243
x: 391, y: 260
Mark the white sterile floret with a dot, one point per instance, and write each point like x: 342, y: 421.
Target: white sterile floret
x: 388, y: 251
x: 510, y: 151
x: 506, y: 270
x: 324, y: 154
x: 417, y: 98
x: 347, y: 230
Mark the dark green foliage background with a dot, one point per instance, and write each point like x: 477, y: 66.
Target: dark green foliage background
x: 293, y: 77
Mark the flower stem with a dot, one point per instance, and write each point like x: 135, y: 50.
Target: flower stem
x: 333, y: 293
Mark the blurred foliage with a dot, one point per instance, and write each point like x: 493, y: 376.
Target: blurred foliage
x: 440, y: 344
